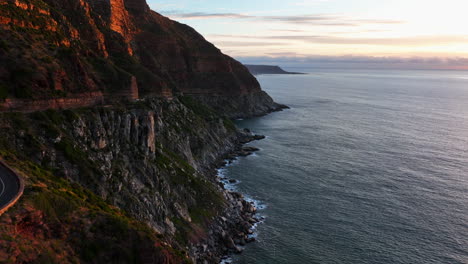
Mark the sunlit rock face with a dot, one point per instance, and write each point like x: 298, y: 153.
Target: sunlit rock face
x: 78, y: 46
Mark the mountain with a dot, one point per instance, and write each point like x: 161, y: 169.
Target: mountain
x: 116, y: 118
x: 267, y: 69
x: 86, y: 52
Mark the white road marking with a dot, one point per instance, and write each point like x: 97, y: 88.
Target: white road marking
x: 3, y: 187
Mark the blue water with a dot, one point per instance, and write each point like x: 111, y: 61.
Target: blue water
x: 369, y: 166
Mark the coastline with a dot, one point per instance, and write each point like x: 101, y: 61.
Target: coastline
x: 241, y: 217
x: 244, y: 232
x: 234, y: 228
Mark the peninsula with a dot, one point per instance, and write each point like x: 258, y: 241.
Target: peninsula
x: 267, y: 69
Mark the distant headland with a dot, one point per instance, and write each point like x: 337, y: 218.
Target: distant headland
x: 267, y: 69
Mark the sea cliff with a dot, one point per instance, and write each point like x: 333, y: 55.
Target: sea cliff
x: 117, y: 118
x: 149, y: 165
x: 53, y: 49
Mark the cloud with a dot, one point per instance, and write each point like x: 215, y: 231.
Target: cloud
x: 363, y: 62
x: 308, y: 19
x: 327, y: 20
x: 203, y: 15
x: 416, y: 41
x: 393, y: 41
x: 329, y: 34
x: 246, y: 43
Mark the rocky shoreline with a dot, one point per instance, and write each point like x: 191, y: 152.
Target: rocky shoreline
x: 157, y: 160
x: 232, y: 231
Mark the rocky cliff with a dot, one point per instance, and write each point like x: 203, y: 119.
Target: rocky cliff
x: 131, y: 183
x: 117, y: 118
x: 66, y: 48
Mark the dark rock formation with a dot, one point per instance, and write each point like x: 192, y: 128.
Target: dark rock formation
x: 127, y: 173
x: 61, y: 48
x: 154, y: 159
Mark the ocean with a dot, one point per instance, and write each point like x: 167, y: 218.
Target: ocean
x: 368, y: 166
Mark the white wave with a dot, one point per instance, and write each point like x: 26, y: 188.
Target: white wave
x: 226, y: 261
x: 232, y: 186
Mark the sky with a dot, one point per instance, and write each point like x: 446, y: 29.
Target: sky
x: 382, y: 30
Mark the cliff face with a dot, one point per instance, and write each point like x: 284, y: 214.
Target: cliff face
x: 153, y: 160
x: 52, y: 48
x: 124, y: 181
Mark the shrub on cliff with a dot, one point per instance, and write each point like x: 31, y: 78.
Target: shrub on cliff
x: 3, y: 92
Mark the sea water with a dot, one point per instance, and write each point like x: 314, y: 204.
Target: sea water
x: 368, y: 166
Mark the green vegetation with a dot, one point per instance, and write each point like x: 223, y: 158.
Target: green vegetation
x: 70, y: 115
x: 18, y: 120
x: 31, y: 16
x: 72, y: 153
x: 89, y: 171
x: 46, y: 148
x: 183, y: 230
x: 54, y: 116
x: 64, y: 203
x: 112, y: 233
x: 209, y: 201
x: 111, y: 76
x: 197, y: 107
x: 229, y: 124
x: 51, y: 130
x: 4, y: 45
x: 130, y: 66
x: 3, y: 92
x: 21, y: 78
x: 54, y: 205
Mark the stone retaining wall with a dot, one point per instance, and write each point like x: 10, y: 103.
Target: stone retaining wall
x: 74, y: 101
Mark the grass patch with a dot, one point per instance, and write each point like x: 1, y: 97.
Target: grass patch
x: 229, y: 125
x: 54, y: 206
x: 111, y: 236
x: 54, y: 116
x: 18, y: 121
x: 197, y: 107
x: 72, y: 153
x: 4, y: 45
x: 3, y: 92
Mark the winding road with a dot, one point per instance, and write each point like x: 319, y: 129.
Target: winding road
x: 11, y: 187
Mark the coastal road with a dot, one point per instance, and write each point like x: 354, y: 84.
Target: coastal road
x: 10, y: 187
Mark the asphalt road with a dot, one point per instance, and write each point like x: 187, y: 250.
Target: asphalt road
x: 9, y: 186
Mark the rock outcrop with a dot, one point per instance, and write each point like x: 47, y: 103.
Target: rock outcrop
x: 126, y: 174
x: 58, y: 48
x: 154, y: 159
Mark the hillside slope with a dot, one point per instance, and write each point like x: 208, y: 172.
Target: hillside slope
x: 123, y: 184
x: 96, y: 51
x: 117, y: 118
